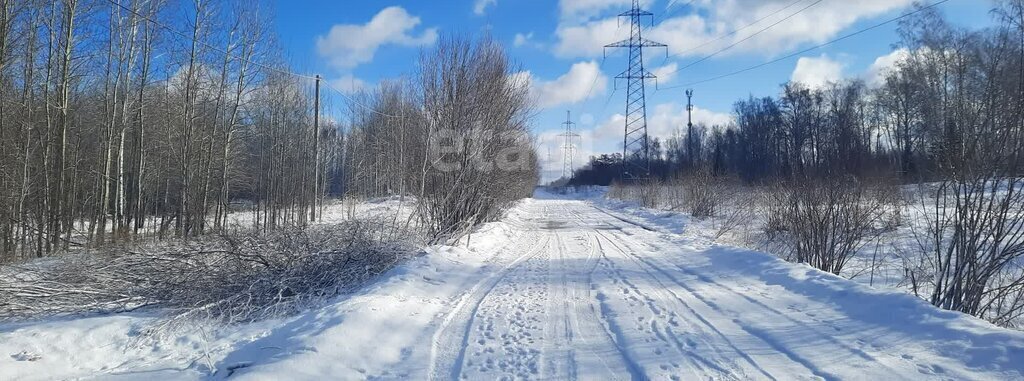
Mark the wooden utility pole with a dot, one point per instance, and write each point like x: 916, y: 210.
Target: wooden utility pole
x: 690, y: 145
x: 316, y: 151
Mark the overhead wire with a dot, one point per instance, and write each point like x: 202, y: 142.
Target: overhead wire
x: 356, y: 102
x: 604, y: 59
x: 609, y: 101
x: 734, y: 31
x: 734, y: 44
x: 669, y: 14
x: 815, y: 47
x: 597, y: 77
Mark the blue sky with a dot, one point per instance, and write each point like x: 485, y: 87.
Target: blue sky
x: 558, y: 44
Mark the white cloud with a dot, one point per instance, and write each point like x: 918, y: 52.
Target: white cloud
x: 663, y: 120
x: 683, y: 34
x: 666, y: 73
x: 583, y: 80
x: 522, y: 78
x: 882, y: 65
x: 521, y: 40
x: 584, y: 9
x: 589, y: 39
x: 711, y: 118
x: 480, y: 6
x: 348, y: 84
x: 612, y: 129
x: 178, y: 79
x: 580, y: 36
x: 667, y: 118
x: 552, y: 155
x: 349, y: 45
x: 817, y: 72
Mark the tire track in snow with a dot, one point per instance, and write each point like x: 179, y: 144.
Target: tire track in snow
x: 559, y: 355
x: 574, y: 330
x: 589, y: 326
x: 728, y: 320
x: 767, y: 336
x: 683, y: 347
x: 625, y: 238
x: 764, y: 335
x: 700, y: 365
x: 509, y: 334
x: 451, y: 339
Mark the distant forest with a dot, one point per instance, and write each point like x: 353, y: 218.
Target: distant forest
x: 953, y: 107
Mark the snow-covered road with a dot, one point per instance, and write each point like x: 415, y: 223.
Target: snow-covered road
x: 566, y: 290
x: 585, y: 294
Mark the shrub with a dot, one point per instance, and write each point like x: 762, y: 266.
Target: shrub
x: 230, y: 278
x: 828, y: 220
x: 702, y: 193
x: 974, y: 244
x: 645, y: 192
x: 774, y: 201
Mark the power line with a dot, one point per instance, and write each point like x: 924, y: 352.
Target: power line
x: 609, y: 100
x: 734, y: 31
x: 635, y: 147
x: 596, y: 77
x: 357, y: 103
x: 669, y: 15
x: 246, y: 60
x: 819, y: 46
x: 705, y: 58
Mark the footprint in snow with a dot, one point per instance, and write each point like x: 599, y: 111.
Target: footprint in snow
x: 26, y: 356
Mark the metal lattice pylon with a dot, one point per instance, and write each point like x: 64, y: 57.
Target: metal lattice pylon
x: 636, y: 161
x: 569, y: 148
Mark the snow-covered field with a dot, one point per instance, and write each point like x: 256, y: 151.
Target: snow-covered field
x: 885, y: 259
x: 560, y: 289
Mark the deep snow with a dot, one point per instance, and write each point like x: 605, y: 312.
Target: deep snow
x: 561, y: 289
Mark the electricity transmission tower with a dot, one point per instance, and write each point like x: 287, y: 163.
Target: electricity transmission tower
x: 568, y: 147
x: 636, y: 161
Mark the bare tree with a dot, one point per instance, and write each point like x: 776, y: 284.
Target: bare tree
x: 828, y: 221
x: 975, y: 232
x: 478, y: 156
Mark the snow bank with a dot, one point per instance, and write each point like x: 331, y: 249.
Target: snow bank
x: 925, y: 333
x: 747, y: 313
x: 381, y: 323
x: 943, y: 343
